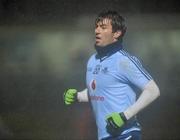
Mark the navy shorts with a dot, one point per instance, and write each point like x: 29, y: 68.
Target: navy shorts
x: 119, y: 134
x: 133, y: 135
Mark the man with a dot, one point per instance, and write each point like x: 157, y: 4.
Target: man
x: 111, y: 75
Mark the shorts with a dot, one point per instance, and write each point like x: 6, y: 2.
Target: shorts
x: 130, y: 131
x: 133, y: 135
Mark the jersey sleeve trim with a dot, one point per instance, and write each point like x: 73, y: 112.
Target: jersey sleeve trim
x: 137, y: 64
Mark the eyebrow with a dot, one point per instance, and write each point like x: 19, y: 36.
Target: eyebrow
x: 101, y: 24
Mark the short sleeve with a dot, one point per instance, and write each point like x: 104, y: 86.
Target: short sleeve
x: 132, y: 69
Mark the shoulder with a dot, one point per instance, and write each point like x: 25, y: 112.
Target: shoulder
x: 91, y: 59
x: 125, y: 56
x: 127, y: 62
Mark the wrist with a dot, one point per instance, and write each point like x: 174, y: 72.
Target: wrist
x: 129, y: 113
x: 82, y: 96
x: 123, y: 117
x: 78, y: 99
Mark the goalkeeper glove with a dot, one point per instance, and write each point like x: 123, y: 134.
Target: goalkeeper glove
x: 70, y: 96
x: 115, y: 121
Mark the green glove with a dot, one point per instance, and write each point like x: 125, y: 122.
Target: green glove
x: 115, y: 120
x: 70, y: 96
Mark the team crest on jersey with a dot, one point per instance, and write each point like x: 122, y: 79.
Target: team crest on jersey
x: 105, y: 70
x: 93, y: 84
x: 99, y: 69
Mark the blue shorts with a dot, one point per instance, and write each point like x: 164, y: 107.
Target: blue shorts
x: 133, y: 135
x: 130, y: 131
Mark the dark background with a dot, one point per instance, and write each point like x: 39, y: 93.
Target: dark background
x: 44, y: 47
x: 39, y: 11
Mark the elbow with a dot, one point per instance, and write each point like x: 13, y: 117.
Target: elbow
x: 156, y: 91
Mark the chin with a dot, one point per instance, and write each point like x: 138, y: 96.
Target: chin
x: 99, y: 45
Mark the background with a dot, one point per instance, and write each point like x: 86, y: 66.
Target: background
x: 44, y: 47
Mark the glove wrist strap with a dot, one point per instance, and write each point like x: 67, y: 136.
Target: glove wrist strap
x: 123, y: 117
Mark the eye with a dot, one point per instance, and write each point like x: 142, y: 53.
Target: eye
x: 96, y: 26
x: 103, y: 27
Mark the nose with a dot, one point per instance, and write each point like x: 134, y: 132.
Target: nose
x: 97, y: 31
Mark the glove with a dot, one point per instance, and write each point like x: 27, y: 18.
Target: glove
x: 70, y: 96
x: 115, y: 121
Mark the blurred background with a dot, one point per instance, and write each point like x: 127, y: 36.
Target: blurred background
x: 44, y: 47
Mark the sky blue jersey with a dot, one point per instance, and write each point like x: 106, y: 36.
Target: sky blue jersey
x: 109, y: 82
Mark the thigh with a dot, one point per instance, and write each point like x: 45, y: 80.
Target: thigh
x: 134, y: 135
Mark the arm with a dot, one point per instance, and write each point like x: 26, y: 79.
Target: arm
x: 134, y: 72
x: 148, y: 95
x: 82, y: 96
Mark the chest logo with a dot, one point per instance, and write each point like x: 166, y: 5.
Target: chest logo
x: 93, y: 84
x: 105, y: 70
x: 97, y: 69
x: 101, y: 69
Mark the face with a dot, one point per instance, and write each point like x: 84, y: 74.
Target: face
x: 104, y: 34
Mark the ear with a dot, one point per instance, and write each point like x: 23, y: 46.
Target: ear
x: 117, y: 34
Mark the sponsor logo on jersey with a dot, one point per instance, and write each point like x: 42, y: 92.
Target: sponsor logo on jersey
x: 96, y: 98
x: 93, y: 84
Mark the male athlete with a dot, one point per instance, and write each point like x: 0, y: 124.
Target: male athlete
x: 111, y: 75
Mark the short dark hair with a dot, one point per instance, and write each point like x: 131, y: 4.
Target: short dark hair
x: 117, y: 21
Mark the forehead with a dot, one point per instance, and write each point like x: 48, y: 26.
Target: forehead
x: 103, y: 21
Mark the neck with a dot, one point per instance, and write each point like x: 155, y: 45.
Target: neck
x: 108, y: 49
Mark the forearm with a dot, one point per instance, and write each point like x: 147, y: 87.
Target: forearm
x: 82, y: 96
x: 149, y: 94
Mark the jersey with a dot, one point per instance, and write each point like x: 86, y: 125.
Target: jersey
x: 109, y: 82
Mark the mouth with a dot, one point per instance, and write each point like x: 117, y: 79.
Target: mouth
x: 98, y: 38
